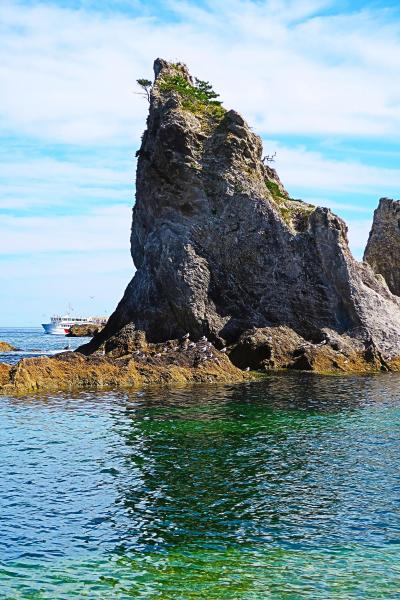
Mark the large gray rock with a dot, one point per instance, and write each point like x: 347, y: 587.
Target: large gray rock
x: 219, y: 246
x: 383, y: 247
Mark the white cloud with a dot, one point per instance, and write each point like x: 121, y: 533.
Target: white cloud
x: 62, y: 171
x: 303, y: 168
x: 34, y: 183
x: 70, y: 75
x: 100, y: 229
x: 342, y: 206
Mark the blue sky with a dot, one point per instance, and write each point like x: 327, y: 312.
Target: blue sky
x: 318, y: 80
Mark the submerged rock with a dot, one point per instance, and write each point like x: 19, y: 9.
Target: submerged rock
x: 220, y: 248
x: 383, y: 247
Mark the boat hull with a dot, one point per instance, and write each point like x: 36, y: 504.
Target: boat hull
x: 55, y: 329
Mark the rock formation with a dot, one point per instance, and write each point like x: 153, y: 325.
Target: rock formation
x: 83, y: 330
x: 383, y: 247
x: 130, y: 362
x: 6, y: 347
x: 220, y: 248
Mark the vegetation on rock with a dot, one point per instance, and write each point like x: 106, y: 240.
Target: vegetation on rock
x: 275, y: 191
x: 198, y: 98
x: 145, y: 84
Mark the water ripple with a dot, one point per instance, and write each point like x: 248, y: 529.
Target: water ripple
x: 288, y: 487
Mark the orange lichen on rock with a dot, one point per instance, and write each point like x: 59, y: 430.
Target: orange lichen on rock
x: 6, y: 347
x: 4, y: 374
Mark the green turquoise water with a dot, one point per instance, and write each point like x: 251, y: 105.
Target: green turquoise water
x: 284, y: 488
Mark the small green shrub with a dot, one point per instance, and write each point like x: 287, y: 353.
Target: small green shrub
x: 279, y: 199
x: 274, y: 189
x: 145, y: 84
x: 196, y: 98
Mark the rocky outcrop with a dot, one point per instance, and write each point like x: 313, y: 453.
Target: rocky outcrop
x: 6, y: 347
x: 4, y: 374
x: 84, y: 330
x: 276, y: 348
x: 128, y: 341
x: 176, y: 362
x: 383, y: 247
x: 221, y: 249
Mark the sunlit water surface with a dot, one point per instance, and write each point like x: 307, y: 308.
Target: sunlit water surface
x: 32, y: 341
x: 284, y: 488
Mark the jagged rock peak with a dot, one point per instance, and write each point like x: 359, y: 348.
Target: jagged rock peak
x: 220, y: 247
x: 383, y: 247
x: 162, y: 67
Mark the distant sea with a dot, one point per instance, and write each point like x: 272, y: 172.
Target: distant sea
x: 286, y: 488
x: 32, y: 341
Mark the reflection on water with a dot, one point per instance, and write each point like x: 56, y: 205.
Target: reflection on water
x: 284, y: 488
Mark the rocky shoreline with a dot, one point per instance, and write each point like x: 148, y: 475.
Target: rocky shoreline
x: 232, y: 274
x: 132, y: 363
x: 128, y: 360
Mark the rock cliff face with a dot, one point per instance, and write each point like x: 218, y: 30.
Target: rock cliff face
x: 219, y: 246
x: 383, y: 248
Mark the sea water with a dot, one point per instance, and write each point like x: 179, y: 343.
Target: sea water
x: 32, y: 341
x: 283, y: 488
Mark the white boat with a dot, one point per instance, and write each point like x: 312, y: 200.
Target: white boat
x: 61, y: 324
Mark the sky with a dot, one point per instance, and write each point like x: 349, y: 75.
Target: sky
x: 316, y: 79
